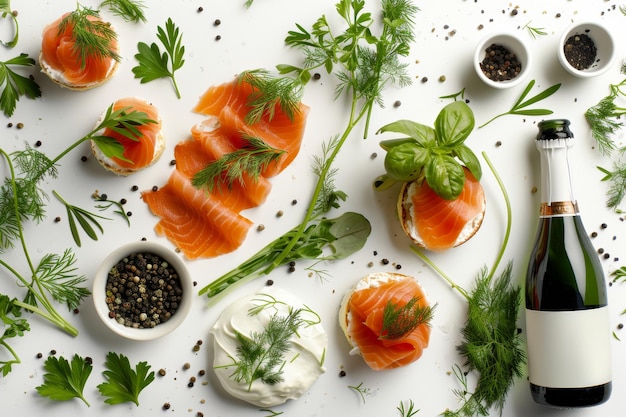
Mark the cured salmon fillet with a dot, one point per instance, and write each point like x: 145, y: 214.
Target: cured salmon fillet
x: 200, y: 225
x: 59, y: 52
x: 137, y: 153
x: 439, y: 222
x: 207, y: 222
x: 365, y: 326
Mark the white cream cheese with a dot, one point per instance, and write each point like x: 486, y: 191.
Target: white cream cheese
x: 303, y: 362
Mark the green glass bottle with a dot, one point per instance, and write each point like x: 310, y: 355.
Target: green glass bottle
x: 567, y: 320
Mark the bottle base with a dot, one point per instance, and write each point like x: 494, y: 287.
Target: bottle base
x: 571, y: 397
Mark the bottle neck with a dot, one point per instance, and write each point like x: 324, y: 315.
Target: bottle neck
x: 557, y: 198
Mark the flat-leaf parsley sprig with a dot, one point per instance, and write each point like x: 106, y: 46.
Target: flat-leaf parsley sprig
x: 15, y: 85
x: 154, y: 64
x: 65, y: 380
x: 122, y: 382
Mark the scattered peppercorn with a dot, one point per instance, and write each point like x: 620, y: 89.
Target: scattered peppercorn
x: 260, y: 227
x: 294, y: 202
x: 134, y: 188
x: 173, y: 162
x: 57, y: 219
x: 166, y: 406
x: 53, y: 352
x: 397, y: 103
x: 424, y: 79
x: 155, y: 188
x: 38, y: 143
x: 398, y: 266
x: 603, y: 226
x: 218, y: 37
x: 201, y: 372
x: 83, y: 158
x: 385, y: 261
x: 20, y: 125
x: 162, y: 372
x: 279, y: 213
x: 186, y: 366
x: 217, y: 22
x: 269, y: 282
x: 39, y: 355
x: 317, y: 76
x: 342, y: 373
x: 200, y: 9
x: 594, y: 234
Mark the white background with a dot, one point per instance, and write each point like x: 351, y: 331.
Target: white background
x: 446, y: 33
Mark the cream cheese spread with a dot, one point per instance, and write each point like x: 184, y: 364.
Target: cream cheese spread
x: 302, y: 363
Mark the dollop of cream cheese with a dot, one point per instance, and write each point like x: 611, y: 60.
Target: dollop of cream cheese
x: 303, y: 362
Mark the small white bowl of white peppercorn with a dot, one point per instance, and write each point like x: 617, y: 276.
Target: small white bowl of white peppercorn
x: 142, y: 291
x: 502, y: 60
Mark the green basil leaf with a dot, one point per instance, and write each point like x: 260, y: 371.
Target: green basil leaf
x: 454, y: 124
x: 424, y: 135
x: 471, y: 161
x: 405, y: 161
x: 445, y: 176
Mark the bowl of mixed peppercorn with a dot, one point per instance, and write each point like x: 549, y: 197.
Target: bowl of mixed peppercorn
x: 586, y: 49
x: 142, y: 291
x: 501, y: 60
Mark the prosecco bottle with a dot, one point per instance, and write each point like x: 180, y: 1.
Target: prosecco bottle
x: 567, y: 320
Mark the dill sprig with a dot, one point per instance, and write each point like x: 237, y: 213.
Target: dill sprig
x: 408, y: 411
x: 246, y: 162
x: 491, y: 345
x: 604, y: 117
x: 400, y: 320
x: 260, y: 356
x: 93, y: 38
x: 363, y: 64
x: 129, y: 10
x: 617, y: 180
x: 361, y: 389
x: 270, y: 92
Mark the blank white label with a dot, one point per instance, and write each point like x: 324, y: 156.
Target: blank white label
x: 569, y: 349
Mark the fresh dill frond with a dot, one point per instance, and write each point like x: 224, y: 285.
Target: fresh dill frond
x: 604, y: 118
x: 93, y: 38
x: 617, y: 180
x: 270, y: 92
x: 129, y: 10
x: 260, y: 355
x: 360, y: 389
x: 57, y: 275
x: 329, y: 197
x: 400, y: 320
x: 249, y: 161
x: 408, y: 411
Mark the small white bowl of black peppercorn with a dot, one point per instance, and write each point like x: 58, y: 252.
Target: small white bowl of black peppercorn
x: 142, y: 291
x: 501, y: 60
x: 586, y: 49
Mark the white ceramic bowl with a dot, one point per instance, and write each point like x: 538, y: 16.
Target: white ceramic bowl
x: 603, y: 41
x: 514, y: 45
x: 100, y: 294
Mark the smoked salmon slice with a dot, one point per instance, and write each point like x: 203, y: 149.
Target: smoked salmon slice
x: 59, y: 52
x: 365, y: 326
x: 137, y: 153
x: 440, y: 222
x: 200, y: 225
x: 207, y: 222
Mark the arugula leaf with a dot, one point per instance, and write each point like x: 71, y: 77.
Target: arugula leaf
x: 153, y: 64
x: 15, y: 85
x: 519, y: 108
x: 129, y: 10
x: 14, y: 325
x: 123, y: 384
x: 63, y: 380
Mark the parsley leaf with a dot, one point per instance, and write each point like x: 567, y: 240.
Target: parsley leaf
x: 123, y: 384
x: 64, y: 381
x: 13, y: 325
x: 153, y: 63
x: 15, y: 85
